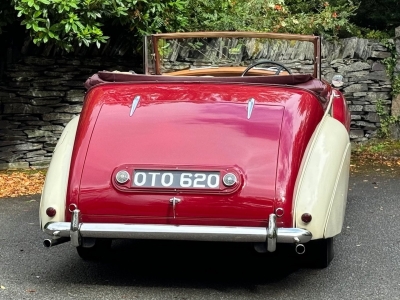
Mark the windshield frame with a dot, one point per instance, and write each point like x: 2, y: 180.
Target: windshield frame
x: 155, y: 38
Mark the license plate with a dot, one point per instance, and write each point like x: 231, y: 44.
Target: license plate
x: 175, y: 179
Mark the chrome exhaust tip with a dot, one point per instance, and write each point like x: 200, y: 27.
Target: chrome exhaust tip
x: 300, y: 249
x: 47, y: 243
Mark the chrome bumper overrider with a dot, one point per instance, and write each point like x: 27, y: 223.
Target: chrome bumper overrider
x: 75, y: 230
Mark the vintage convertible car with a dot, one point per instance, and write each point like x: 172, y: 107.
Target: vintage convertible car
x: 227, y: 136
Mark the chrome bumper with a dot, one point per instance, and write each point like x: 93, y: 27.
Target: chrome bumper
x: 76, y: 230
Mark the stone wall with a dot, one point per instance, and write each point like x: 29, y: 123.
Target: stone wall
x: 38, y: 96
x: 365, y: 81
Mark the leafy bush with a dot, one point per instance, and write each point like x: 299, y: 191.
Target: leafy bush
x: 386, y: 119
x: 66, y: 21
x: 292, y: 16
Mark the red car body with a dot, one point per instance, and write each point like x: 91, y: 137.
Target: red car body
x: 253, y: 127
x: 219, y: 137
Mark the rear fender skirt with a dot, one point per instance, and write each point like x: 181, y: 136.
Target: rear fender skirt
x: 55, y: 186
x: 322, y: 184
x: 338, y: 205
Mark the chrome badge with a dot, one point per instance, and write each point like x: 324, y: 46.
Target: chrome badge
x: 135, y: 104
x: 250, y: 106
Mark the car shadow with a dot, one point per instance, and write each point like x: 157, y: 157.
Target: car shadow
x: 190, y: 264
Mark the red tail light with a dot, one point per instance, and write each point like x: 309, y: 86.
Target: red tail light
x: 306, y: 218
x: 51, y: 212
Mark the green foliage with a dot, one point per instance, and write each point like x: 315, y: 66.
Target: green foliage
x: 67, y: 21
x: 291, y: 16
x: 390, y: 64
x: 381, y: 147
x: 396, y: 85
x: 376, y: 35
x: 301, y: 6
x: 386, y: 120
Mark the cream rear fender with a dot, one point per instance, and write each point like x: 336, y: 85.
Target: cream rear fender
x: 55, y: 186
x: 322, y: 184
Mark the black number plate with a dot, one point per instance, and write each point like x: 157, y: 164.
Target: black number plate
x: 176, y: 179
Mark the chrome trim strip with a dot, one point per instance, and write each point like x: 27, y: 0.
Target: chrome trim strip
x: 135, y: 103
x: 250, y: 106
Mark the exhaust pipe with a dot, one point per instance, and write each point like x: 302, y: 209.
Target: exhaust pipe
x: 300, y: 249
x: 53, y: 242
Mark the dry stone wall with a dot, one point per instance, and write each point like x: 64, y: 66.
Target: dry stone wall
x: 365, y: 82
x: 360, y: 61
x: 38, y: 96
